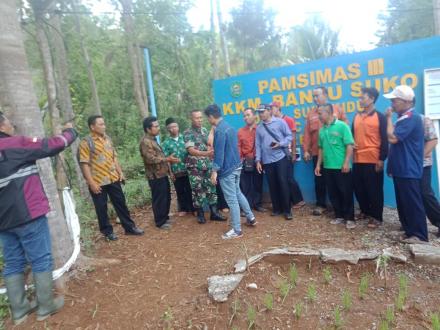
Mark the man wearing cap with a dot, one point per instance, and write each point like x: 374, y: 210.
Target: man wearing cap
x: 295, y: 192
x: 174, y: 145
x: 310, y: 143
x: 273, y: 138
x: 251, y: 182
x: 405, y: 163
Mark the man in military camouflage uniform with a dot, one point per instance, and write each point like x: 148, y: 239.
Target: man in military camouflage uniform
x: 174, y: 145
x: 198, y: 164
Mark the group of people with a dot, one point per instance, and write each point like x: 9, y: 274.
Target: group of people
x: 203, y: 164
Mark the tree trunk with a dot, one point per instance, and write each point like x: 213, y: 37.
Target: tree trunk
x: 85, y: 53
x: 65, y: 99
x: 213, y: 44
x: 18, y: 98
x: 436, y: 5
x: 222, y: 29
x: 133, y: 55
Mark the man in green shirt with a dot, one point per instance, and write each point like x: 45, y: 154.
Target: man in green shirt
x: 174, y: 145
x: 335, y: 144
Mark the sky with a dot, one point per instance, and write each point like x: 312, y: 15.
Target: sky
x: 356, y: 20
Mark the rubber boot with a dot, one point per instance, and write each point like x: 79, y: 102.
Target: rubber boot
x: 47, y: 304
x: 201, y: 216
x: 215, y: 214
x: 20, y: 305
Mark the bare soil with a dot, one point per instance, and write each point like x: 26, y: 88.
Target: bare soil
x: 161, y: 282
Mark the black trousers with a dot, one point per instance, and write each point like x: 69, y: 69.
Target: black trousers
x: 161, y: 199
x: 251, y: 185
x: 340, y: 192
x: 295, y: 192
x: 277, y: 174
x: 221, y: 201
x: 410, y: 207
x: 114, y: 191
x: 368, y: 189
x: 320, y: 185
x: 184, y: 194
x: 430, y: 202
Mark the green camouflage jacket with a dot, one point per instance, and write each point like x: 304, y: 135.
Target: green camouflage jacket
x: 171, y: 146
x: 198, y: 139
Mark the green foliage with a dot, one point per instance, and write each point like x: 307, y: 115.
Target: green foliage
x: 268, y: 301
x: 235, y: 307
x: 293, y: 275
x: 327, y: 275
x: 4, y: 310
x: 251, y: 317
x: 390, y: 317
x: 312, y: 294
x: 298, y: 310
x: 346, y: 300
x: 402, y: 295
x: 435, y: 321
x: 363, y: 285
x: 338, y: 318
x: 284, y: 289
x: 384, y: 325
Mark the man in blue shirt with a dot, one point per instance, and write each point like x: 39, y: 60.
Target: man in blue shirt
x: 405, y: 163
x: 272, y: 141
x: 226, y: 166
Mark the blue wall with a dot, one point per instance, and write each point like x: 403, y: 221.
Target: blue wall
x: 383, y: 68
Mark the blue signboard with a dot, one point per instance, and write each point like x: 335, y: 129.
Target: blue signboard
x: 344, y: 76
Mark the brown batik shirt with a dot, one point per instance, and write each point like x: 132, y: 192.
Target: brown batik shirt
x: 155, y: 162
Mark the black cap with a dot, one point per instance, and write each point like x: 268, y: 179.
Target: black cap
x: 170, y: 120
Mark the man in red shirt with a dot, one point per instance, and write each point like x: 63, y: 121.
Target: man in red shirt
x: 251, y: 182
x: 295, y: 192
x: 310, y: 144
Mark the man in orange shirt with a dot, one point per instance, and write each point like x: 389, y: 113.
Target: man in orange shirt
x: 251, y: 182
x: 310, y: 144
x: 371, y: 149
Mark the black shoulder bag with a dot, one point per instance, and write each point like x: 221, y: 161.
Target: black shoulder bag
x: 285, y: 149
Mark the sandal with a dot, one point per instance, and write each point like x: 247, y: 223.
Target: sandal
x: 373, y: 224
x: 299, y: 205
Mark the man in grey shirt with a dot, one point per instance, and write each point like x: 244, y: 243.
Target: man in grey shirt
x: 272, y: 141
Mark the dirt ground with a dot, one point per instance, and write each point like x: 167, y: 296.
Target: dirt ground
x: 161, y: 282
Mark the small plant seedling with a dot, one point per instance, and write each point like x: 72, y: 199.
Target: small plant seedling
x: 293, y: 275
x: 235, y: 309
x: 363, y: 285
x: 284, y: 290
x: 312, y: 295
x: 435, y: 321
x: 382, y: 267
x: 400, y: 302
x: 327, y: 275
x: 389, y: 315
x: 298, y: 310
x: 168, y: 317
x: 268, y: 301
x: 403, y: 292
x: 383, y: 325
x: 251, y: 316
x: 346, y: 300
x: 338, y: 318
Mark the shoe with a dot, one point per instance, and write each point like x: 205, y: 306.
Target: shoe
x: 318, y: 211
x: 181, y: 214
x: 135, y: 231
x: 201, y: 216
x: 165, y: 226
x: 350, y: 224
x: 20, y: 305
x: 288, y: 216
x: 299, y: 205
x: 111, y: 237
x: 413, y: 240
x: 361, y: 216
x: 47, y: 304
x: 260, y: 209
x: 231, y: 234
x: 251, y: 222
x: 337, y: 221
x: 275, y: 214
x: 215, y: 214
x: 373, y: 224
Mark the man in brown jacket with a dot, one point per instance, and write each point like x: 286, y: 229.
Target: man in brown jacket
x: 157, y: 170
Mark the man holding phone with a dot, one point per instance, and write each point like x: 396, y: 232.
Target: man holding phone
x: 272, y: 141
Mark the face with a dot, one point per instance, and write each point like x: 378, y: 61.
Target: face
x: 197, y: 119
x: 319, y: 97
x: 249, y: 117
x: 173, y: 129
x: 275, y: 111
x: 154, y: 130
x: 212, y: 121
x: 98, y: 127
x: 400, y: 105
x: 7, y: 127
x: 323, y: 114
x: 264, y: 115
x: 365, y: 100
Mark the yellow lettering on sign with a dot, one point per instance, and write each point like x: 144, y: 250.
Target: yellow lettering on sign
x: 239, y: 107
x: 288, y: 83
x: 354, y: 70
x: 340, y: 74
x: 227, y: 109
x: 298, y: 127
x: 278, y: 98
x: 356, y: 89
x: 305, y: 96
x: 262, y: 86
x: 375, y: 67
x: 335, y: 92
x: 274, y: 86
x: 323, y: 77
x: 291, y: 100
x: 302, y: 80
x: 389, y: 84
x: 254, y: 103
x: 412, y: 80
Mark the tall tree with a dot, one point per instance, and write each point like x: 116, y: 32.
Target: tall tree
x: 406, y: 20
x: 222, y: 29
x: 213, y: 43
x: 18, y: 98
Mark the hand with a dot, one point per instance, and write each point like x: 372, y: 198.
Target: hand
x: 389, y: 112
x: 172, y: 159
x: 95, y: 188
x: 379, y: 166
x: 259, y: 167
x: 345, y: 167
x: 68, y: 125
x: 307, y: 156
x: 214, y: 178
x: 173, y: 177
x: 318, y: 171
x: 355, y: 146
x: 121, y: 177
x: 293, y: 158
x: 275, y: 145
